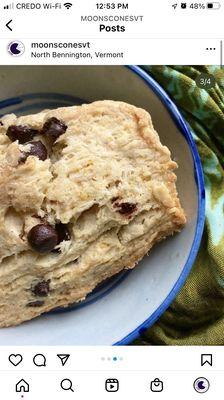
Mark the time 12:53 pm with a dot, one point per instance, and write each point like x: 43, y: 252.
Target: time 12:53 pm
x: 112, y: 6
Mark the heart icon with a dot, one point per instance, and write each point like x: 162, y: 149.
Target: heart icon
x: 15, y: 359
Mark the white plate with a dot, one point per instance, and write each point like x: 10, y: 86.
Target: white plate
x: 133, y: 301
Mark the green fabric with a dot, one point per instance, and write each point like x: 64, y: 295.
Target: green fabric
x: 196, y: 317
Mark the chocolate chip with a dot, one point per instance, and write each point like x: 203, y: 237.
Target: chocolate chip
x: 114, y: 199
x: 22, y: 133
x: 42, y: 288
x: 43, y: 238
x: 37, y: 303
x: 126, y: 208
x: 63, y: 232
x: 1, y: 123
x: 54, y: 128
x: 37, y: 149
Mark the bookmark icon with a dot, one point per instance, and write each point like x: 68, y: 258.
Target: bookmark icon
x: 206, y: 359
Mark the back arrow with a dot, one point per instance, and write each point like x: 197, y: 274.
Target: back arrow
x: 7, y: 25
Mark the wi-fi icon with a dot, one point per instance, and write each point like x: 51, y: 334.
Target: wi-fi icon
x: 68, y: 5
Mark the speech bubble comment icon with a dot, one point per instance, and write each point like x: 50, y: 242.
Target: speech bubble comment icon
x: 39, y: 360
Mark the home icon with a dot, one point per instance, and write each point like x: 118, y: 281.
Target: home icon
x: 22, y: 386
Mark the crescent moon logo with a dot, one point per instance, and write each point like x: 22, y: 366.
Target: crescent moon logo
x: 201, y: 385
x: 16, y: 48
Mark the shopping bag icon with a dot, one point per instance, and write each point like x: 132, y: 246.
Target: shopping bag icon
x: 156, y: 385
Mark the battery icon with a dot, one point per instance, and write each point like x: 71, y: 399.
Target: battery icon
x: 213, y: 6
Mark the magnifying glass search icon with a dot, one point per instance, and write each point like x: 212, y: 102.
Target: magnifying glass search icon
x: 66, y: 384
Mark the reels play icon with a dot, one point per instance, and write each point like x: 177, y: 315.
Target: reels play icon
x: 112, y: 385
x: 16, y: 48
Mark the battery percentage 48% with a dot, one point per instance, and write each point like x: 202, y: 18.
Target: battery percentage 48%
x: 197, y: 6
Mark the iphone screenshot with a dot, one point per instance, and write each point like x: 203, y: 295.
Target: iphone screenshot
x: 111, y: 199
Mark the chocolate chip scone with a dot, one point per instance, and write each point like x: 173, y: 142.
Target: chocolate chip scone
x: 85, y: 192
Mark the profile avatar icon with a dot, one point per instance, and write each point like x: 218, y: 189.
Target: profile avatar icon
x: 201, y: 385
x: 16, y: 48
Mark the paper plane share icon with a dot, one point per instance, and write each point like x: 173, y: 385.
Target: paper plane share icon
x: 64, y: 358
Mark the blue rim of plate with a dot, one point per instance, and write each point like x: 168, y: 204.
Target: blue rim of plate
x: 181, y: 124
